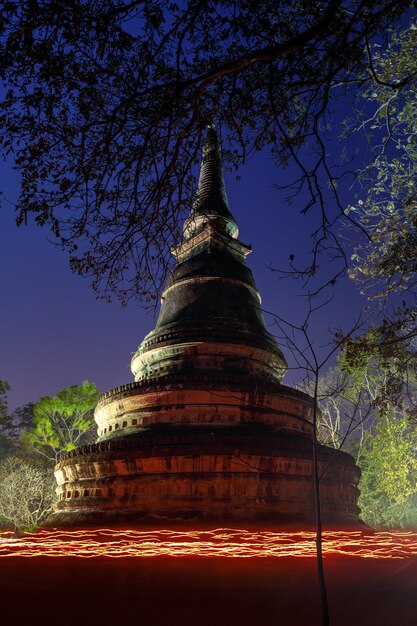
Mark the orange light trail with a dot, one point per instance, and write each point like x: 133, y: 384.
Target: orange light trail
x: 221, y: 542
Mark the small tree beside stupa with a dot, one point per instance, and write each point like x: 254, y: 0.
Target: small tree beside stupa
x: 32, y: 437
x: 63, y: 422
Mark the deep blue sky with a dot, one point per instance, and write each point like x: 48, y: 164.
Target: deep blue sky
x: 54, y: 331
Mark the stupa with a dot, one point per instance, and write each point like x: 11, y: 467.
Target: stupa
x: 207, y: 431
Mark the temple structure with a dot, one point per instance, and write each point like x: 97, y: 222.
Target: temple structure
x: 206, y: 432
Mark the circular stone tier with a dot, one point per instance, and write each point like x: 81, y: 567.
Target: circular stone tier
x: 203, y: 401
x: 241, y: 474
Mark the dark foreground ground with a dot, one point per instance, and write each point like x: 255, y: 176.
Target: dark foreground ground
x: 201, y: 591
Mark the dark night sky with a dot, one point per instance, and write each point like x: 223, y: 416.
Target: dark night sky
x: 54, y: 331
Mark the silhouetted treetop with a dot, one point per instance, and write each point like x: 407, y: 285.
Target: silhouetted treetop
x: 106, y: 101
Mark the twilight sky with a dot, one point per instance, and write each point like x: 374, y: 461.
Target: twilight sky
x: 54, y: 333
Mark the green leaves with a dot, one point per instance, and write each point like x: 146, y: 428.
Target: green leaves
x: 61, y: 421
x: 389, y: 473
x: 375, y: 407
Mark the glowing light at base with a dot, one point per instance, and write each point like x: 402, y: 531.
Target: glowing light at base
x: 221, y: 542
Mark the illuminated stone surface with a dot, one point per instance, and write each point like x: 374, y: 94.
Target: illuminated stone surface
x: 207, y: 431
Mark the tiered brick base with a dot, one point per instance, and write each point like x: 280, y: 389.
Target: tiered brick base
x: 247, y: 472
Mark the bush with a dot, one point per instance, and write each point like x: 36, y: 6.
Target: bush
x: 27, y: 493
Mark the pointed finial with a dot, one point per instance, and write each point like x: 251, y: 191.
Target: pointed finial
x: 211, y: 204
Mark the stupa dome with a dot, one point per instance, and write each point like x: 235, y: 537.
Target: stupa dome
x: 207, y: 430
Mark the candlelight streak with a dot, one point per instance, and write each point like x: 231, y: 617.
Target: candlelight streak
x: 221, y: 542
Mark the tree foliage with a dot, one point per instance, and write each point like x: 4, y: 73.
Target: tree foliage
x: 16, y: 421
x: 372, y: 414
x: 27, y: 493
x: 4, y: 388
x: 386, y: 263
x: 5, y: 445
x: 106, y: 102
x: 384, y: 362
x: 62, y: 422
x: 388, y: 483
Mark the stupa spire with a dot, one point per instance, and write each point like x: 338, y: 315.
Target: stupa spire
x: 211, y: 204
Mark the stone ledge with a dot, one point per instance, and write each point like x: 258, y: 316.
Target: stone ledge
x: 194, y: 380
